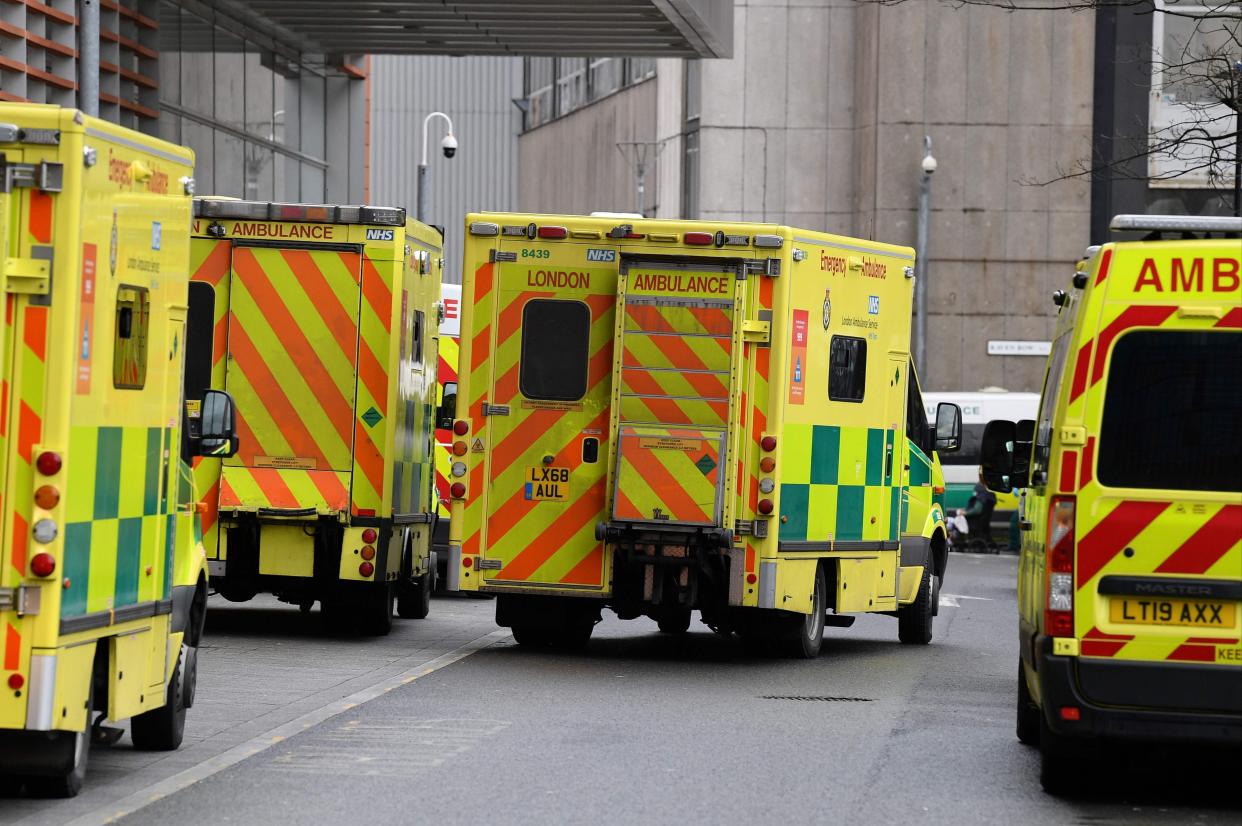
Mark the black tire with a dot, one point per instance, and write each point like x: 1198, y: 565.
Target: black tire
x: 1028, y: 712
x: 71, y: 751
x: 161, y: 729
x: 806, y: 636
x: 676, y: 621
x: 377, y: 610
x: 530, y: 636
x: 1061, y: 767
x: 914, y: 621
x: 574, y: 635
x: 414, y: 597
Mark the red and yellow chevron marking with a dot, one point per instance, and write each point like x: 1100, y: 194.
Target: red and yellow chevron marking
x: 565, y: 551
x: 29, y: 376
x: 450, y: 351
x: 669, y: 474
x: 1088, y: 372
x: 326, y: 491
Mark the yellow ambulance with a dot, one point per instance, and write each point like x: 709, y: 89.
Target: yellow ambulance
x: 103, y: 579
x: 321, y: 321
x: 667, y: 416
x: 1130, y: 575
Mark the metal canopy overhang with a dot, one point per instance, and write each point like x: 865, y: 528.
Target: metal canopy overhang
x: 568, y: 28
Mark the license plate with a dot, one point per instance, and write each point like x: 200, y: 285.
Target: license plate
x: 1183, y: 612
x: 547, y: 483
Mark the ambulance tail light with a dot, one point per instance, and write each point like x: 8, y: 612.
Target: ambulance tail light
x: 553, y: 232
x: 697, y: 239
x: 366, y: 569
x: 16, y: 681
x: 764, y: 507
x: 457, y: 490
x: 768, y: 443
x: 1059, y: 614
x: 767, y: 464
x: 461, y: 427
x: 48, y: 463
x: 369, y: 536
x: 42, y: 565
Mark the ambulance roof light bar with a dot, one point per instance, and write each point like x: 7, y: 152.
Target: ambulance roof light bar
x: 308, y: 213
x: 1176, y: 223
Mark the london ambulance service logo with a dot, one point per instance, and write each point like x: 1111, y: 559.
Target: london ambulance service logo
x: 827, y: 308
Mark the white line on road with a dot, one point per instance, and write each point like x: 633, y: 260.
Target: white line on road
x: 951, y: 600
x: 157, y: 791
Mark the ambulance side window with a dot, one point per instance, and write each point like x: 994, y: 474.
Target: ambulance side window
x: 847, y: 369
x: 555, y: 343
x: 1048, y: 403
x: 130, y: 335
x: 917, y: 428
x: 200, y: 325
x: 417, y: 348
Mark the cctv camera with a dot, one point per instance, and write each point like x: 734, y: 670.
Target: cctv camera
x: 929, y: 164
x: 449, y: 146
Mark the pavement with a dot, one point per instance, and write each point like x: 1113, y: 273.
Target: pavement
x: 448, y: 721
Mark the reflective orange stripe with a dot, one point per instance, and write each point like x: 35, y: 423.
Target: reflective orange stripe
x: 670, y: 490
x: 511, y: 316
x: 368, y: 457
x: 374, y: 290
x: 216, y: 265
x: 19, y: 542
x: 283, y: 413
x: 558, y: 533
x: 1207, y: 545
x: 338, y: 320
x: 589, y: 571
x: 34, y: 333
x: 274, y: 488
x: 1114, y: 532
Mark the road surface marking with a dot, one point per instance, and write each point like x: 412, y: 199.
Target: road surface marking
x: 951, y: 600
x: 157, y: 791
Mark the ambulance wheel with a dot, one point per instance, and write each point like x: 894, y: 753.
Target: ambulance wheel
x: 1028, y: 712
x: 573, y: 635
x: 414, y: 597
x: 530, y: 636
x: 808, y: 634
x: 68, y: 753
x: 377, y: 608
x: 161, y: 729
x: 676, y: 621
x: 914, y: 621
x: 1061, y: 765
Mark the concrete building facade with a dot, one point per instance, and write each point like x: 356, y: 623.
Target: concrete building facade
x: 818, y: 121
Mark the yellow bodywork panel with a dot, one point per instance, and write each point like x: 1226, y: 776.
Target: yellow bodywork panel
x: 286, y: 550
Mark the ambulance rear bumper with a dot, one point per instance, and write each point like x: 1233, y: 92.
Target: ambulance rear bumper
x: 663, y: 534
x: 1165, y: 702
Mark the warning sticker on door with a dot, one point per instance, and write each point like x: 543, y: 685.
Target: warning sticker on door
x: 797, y: 358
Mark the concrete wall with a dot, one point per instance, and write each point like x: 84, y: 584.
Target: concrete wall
x: 573, y: 165
x: 477, y: 93
x: 818, y: 120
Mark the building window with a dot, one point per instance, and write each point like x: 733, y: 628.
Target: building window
x: 556, y: 339
x: 252, y: 112
x: 553, y: 87
x: 691, y: 99
x: 1191, y: 142
x: 130, y: 338
x: 847, y: 369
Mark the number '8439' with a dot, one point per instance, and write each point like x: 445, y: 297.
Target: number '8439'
x: 535, y: 253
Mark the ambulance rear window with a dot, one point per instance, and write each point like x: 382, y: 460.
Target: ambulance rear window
x: 847, y: 369
x: 556, y: 337
x: 1173, y: 412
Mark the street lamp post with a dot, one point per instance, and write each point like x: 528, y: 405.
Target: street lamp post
x: 920, y: 261
x: 448, y: 146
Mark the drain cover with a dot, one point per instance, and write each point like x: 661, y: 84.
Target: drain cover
x: 815, y: 698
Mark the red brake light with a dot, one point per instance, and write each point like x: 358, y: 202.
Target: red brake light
x: 369, y: 536
x: 43, y: 564
x: 764, y: 506
x: 366, y: 569
x: 48, y: 463
x: 1059, y: 610
x: 365, y: 511
x: 751, y: 579
x: 768, y: 443
x: 461, y: 427
x: 468, y: 562
x: 1071, y: 713
x: 16, y: 681
x: 698, y: 239
x: 457, y: 490
x: 553, y: 232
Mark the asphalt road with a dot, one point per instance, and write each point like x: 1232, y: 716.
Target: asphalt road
x: 647, y: 727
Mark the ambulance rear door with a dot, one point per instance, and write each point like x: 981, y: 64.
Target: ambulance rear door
x: 547, y: 410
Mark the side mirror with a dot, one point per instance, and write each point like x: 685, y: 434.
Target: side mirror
x: 996, y: 455
x: 217, y: 428
x: 447, y: 411
x: 948, y: 427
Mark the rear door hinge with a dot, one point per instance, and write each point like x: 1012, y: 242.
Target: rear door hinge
x: 48, y: 177
x: 24, y: 599
x: 495, y: 409
x: 489, y: 565
x: 29, y: 276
